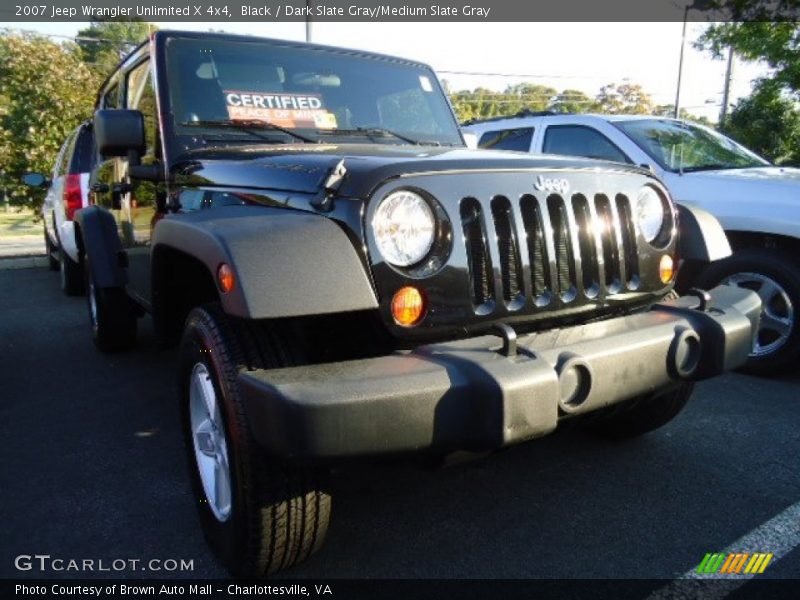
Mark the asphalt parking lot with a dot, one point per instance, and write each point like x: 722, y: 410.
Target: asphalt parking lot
x: 93, y: 468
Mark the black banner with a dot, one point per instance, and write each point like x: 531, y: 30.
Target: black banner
x: 392, y: 589
x: 221, y: 11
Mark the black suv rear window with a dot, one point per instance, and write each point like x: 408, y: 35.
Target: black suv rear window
x: 82, y: 150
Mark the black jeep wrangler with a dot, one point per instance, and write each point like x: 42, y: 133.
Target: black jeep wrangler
x: 346, y: 279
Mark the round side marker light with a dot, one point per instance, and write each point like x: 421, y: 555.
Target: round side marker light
x: 225, y: 278
x: 408, y: 306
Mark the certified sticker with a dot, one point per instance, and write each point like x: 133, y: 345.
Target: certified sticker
x: 286, y: 110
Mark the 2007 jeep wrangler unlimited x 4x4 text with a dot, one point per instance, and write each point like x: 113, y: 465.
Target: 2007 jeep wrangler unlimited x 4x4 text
x: 346, y: 279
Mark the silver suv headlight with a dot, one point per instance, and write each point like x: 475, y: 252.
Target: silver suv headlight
x: 404, y: 228
x: 649, y: 213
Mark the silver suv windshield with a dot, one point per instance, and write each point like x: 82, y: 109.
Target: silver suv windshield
x: 683, y: 147
x: 274, y: 92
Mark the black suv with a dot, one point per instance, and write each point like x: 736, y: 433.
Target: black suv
x: 346, y: 279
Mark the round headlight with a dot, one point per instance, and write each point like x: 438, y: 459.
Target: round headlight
x: 404, y: 228
x: 649, y: 213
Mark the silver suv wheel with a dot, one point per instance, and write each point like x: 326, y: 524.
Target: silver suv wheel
x: 777, y: 311
x: 210, y: 448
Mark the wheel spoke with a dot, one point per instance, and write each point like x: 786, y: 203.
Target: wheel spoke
x: 221, y: 487
x: 767, y: 291
x: 209, y: 397
x: 779, y: 325
x: 206, y: 438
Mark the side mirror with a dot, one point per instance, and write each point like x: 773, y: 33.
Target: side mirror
x: 470, y: 139
x: 119, y: 132
x: 35, y: 180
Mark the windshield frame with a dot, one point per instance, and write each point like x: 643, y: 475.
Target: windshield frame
x: 757, y: 160
x: 184, y: 139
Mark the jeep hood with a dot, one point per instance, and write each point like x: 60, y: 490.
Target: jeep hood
x: 303, y: 168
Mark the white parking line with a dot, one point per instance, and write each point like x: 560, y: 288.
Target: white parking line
x: 780, y: 535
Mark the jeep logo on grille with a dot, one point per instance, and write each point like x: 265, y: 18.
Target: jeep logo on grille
x: 545, y: 184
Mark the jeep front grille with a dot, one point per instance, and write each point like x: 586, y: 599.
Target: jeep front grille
x: 571, y: 246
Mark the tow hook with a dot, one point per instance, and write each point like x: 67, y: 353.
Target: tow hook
x: 703, y: 296
x: 509, y: 336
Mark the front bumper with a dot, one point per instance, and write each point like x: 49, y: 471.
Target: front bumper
x: 469, y: 395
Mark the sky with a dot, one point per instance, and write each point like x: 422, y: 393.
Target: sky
x: 582, y: 56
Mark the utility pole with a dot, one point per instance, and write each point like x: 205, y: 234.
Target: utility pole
x: 308, y: 21
x: 698, y: 5
x: 680, y: 64
x: 726, y: 92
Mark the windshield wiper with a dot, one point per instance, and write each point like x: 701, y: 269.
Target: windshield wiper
x: 378, y: 131
x: 250, y: 126
x: 712, y: 167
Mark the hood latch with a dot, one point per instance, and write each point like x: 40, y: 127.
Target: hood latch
x: 323, y: 200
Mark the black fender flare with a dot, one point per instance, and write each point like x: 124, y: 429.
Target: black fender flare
x: 96, y: 237
x: 286, y: 263
x: 702, y: 238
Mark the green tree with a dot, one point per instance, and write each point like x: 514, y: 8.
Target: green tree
x: 45, y: 91
x: 777, y: 44
x: 624, y: 99
x: 475, y: 104
x: 767, y: 122
x: 104, y: 43
x: 483, y: 103
x: 572, y: 101
x: 527, y: 96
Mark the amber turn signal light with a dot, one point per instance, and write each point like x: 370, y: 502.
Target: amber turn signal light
x: 225, y: 278
x: 666, y: 269
x: 408, y: 306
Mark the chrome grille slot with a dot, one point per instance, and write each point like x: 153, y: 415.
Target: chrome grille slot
x: 480, y: 268
x: 590, y: 268
x: 511, y: 274
x: 537, y: 247
x: 630, y: 258
x: 610, y: 246
x: 562, y: 240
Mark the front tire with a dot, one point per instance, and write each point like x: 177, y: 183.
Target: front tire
x: 776, y: 280
x: 258, y: 514
x: 111, y: 316
x: 643, y: 414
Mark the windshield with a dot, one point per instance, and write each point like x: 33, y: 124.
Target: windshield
x: 229, y: 89
x: 679, y: 146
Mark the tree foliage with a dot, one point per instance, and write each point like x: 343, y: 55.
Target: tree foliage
x: 768, y: 123
x: 103, y: 43
x: 777, y: 44
x: 482, y: 103
x: 624, y: 99
x: 572, y: 101
x: 46, y: 90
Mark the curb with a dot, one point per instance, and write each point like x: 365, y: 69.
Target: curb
x: 23, y: 262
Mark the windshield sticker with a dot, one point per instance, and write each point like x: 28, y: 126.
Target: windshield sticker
x: 285, y: 110
x: 425, y: 83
